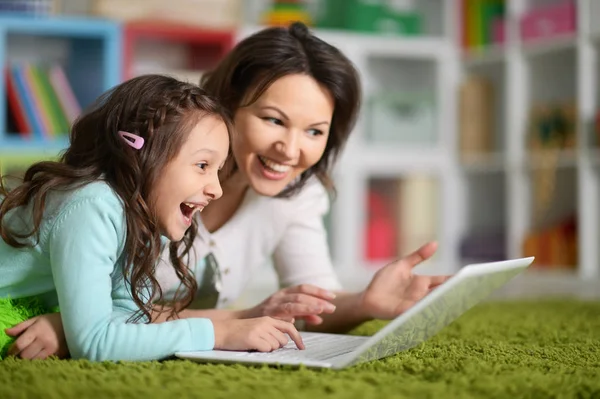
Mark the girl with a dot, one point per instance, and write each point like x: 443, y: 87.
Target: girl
x: 85, y: 233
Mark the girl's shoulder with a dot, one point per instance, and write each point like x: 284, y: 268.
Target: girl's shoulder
x: 97, y: 197
x: 96, y: 191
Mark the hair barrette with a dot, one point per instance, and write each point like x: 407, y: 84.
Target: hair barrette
x: 131, y: 139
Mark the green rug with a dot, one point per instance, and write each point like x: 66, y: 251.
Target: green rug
x: 545, y: 349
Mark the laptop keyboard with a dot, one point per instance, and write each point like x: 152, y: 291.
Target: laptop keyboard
x: 317, y: 347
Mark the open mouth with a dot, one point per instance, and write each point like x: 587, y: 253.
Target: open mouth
x: 188, y: 209
x: 272, y: 166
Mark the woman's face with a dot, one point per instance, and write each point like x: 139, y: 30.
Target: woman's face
x: 283, y: 133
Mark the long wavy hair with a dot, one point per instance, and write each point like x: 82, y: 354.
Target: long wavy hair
x: 272, y: 53
x: 163, y: 111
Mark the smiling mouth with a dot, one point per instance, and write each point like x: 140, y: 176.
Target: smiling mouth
x: 188, y: 209
x: 274, y: 166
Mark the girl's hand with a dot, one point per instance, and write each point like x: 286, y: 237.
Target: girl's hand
x: 39, y: 337
x: 302, y: 301
x: 263, y: 334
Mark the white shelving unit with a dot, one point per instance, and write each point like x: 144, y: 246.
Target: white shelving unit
x: 550, y: 69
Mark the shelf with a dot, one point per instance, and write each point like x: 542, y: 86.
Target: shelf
x: 486, y: 56
x: 549, y: 46
x: 483, y: 163
x: 399, y: 47
x: 390, y: 161
x: 549, y: 158
x: 12, y: 141
x: 60, y: 26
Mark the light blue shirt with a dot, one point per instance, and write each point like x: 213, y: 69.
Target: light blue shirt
x: 78, y: 263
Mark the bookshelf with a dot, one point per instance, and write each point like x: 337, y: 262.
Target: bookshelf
x: 86, y: 50
x: 534, y: 75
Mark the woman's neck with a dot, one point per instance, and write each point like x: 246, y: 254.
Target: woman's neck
x: 235, y: 185
x: 221, y: 211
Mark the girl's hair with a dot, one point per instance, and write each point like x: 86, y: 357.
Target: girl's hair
x: 262, y: 58
x: 158, y: 108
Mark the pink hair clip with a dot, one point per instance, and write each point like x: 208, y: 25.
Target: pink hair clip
x: 133, y: 140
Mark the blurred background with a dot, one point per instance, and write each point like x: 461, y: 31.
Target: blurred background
x: 478, y: 128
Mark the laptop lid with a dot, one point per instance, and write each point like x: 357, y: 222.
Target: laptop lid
x: 442, y: 306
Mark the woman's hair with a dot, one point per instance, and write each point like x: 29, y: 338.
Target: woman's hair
x: 163, y: 111
x: 272, y: 53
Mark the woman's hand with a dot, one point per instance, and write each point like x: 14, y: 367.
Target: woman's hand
x: 39, y: 337
x: 395, y: 288
x: 299, y: 302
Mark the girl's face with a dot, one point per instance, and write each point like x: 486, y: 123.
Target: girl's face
x: 283, y: 133
x: 190, y: 181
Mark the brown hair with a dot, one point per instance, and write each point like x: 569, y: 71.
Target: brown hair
x: 160, y: 109
x: 262, y: 58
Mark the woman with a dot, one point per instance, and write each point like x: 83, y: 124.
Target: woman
x: 295, y: 100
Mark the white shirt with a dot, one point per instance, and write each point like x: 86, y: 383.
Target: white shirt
x: 290, y: 231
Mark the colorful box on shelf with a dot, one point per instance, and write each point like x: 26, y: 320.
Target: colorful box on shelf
x: 498, y: 31
x: 375, y: 16
x: 555, y: 246
x: 204, y: 46
x: 207, y: 14
x: 483, y: 23
x: 284, y: 12
x: 553, y: 126
x: 402, y: 118
x: 549, y: 20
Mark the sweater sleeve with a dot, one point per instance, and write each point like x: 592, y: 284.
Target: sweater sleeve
x: 302, y: 255
x: 84, y: 246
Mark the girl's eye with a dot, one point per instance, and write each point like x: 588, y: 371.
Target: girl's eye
x: 274, y: 121
x: 202, y: 165
x: 315, y: 132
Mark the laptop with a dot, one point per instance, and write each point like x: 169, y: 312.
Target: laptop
x: 426, y: 318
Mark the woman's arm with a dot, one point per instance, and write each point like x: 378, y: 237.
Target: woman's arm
x: 393, y: 290
x: 302, y: 257
x: 161, y: 313
x: 349, y: 313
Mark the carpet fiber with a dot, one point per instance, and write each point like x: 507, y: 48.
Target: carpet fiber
x: 547, y: 349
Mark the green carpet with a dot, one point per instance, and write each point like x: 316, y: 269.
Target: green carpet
x: 545, y: 349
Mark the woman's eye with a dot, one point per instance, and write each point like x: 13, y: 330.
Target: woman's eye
x: 202, y: 165
x: 315, y: 132
x: 275, y: 121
